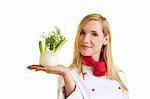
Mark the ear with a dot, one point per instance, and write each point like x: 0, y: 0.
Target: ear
x: 106, y: 40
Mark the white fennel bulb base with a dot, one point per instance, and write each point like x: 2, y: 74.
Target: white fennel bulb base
x: 49, y: 58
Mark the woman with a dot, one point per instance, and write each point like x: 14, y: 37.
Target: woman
x: 92, y: 74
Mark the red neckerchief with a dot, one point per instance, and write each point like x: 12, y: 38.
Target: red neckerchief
x: 99, y: 68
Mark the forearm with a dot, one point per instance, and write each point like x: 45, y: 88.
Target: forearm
x: 69, y: 83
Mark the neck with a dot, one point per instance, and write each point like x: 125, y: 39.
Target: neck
x: 96, y: 57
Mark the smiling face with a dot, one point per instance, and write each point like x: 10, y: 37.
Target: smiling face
x: 91, y: 39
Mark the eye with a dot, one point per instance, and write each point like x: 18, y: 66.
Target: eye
x: 82, y: 33
x: 95, y: 34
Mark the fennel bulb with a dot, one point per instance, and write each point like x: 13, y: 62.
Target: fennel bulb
x: 49, y: 58
x: 50, y: 46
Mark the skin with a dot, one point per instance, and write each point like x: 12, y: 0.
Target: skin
x: 90, y: 43
x: 91, y: 39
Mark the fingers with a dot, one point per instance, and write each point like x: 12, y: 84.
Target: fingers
x: 59, y: 69
x: 36, y: 67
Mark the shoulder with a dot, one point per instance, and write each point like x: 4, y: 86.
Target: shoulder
x: 119, y: 70
x: 122, y: 74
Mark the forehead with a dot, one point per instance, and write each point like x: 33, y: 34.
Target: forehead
x: 92, y: 25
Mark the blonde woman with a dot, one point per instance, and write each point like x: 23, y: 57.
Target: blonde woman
x: 92, y: 74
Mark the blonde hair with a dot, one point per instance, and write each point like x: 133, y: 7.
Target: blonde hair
x: 107, y: 53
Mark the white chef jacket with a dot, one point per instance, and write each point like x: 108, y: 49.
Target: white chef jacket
x: 92, y: 87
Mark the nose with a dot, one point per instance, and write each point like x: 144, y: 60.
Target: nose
x: 86, y: 38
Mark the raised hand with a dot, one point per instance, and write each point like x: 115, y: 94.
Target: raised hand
x: 59, y: 69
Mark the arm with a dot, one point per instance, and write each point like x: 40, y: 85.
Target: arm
x: 67, y: 86
x: 69, y: 83
x: 75, y: 94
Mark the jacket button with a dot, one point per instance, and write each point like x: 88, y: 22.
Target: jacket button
x: 119, y: 87
x: 93, y: 89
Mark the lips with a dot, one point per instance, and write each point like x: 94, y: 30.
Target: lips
x: 84, y: 47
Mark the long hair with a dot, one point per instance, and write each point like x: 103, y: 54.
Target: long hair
x: 107, y: 51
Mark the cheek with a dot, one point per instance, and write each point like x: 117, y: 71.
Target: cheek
x: 80, y: 40
x: 97, y: 43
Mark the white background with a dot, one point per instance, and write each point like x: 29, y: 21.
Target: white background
x: 22, y: 22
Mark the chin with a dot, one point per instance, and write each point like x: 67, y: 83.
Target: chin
x: 86, y: 54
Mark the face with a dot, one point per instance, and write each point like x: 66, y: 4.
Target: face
x: 91, y: 39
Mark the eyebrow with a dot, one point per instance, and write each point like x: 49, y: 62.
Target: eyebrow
x: 90, y: 31
x: 94, y: 31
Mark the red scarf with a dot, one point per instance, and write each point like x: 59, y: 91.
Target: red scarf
x: 99, y: 68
